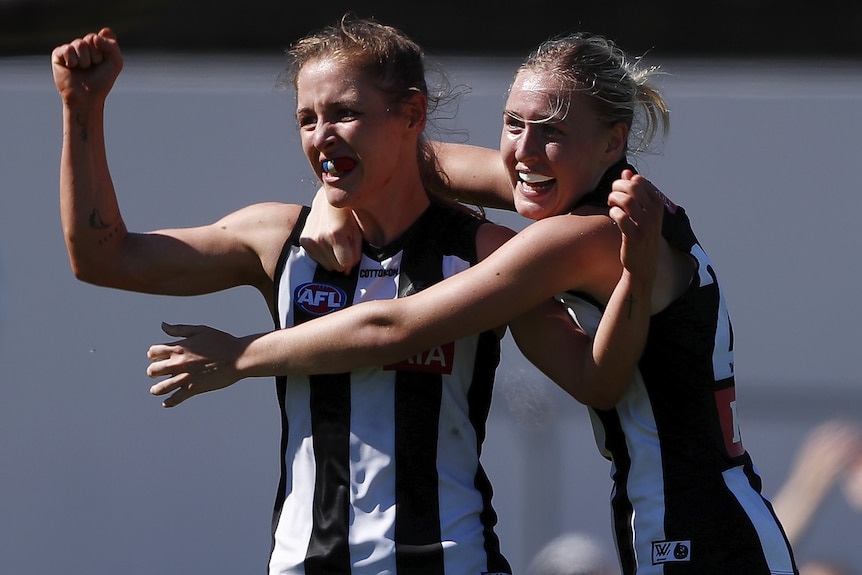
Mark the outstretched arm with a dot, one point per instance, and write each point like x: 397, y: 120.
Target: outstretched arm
x: 548, y: 257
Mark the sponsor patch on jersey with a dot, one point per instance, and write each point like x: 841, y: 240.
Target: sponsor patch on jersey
x: 378, y: 273
x: 670, y: 551
x: 435, y: 360
x: 319, y: 299
x: 725, y: 401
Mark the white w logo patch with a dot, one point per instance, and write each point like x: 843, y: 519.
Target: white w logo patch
x: 670, y: 551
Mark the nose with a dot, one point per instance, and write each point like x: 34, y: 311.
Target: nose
x: 528, y: 144
x: 323, y: 136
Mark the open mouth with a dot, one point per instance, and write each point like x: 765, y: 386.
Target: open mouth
x: 338, y: 166
x: 533, y: 179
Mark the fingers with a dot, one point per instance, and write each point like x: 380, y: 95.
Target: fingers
x: 163, y: 351
x: 168, y: 385
x: 347, y: 255
x: 182, y: 330
x: 177, y: 398
x: 107, y: 34
x: 180, y: 366
x: 319, y: 253
x: 177, y: 387
x: 338, y: 251
x: 621, y: 218
x: 160, y: 356
x: 87, y: 51
x: 635, y: 198
x: 80, y: 53
x: 331, y: 235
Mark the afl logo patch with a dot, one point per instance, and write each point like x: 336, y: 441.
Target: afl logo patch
x: 319, y: 299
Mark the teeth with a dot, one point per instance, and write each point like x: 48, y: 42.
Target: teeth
x: 338, y: 166
x: 533, y: 178
x: 330, y: 168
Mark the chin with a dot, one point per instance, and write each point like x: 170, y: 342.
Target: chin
x: 336, y: 197
x: 531, y: 210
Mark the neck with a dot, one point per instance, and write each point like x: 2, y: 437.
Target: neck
x: 599, y: 195
x: 392, y: 216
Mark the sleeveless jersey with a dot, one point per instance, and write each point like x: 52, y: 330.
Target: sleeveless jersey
x: 380, y: 467
x: 686, y: 497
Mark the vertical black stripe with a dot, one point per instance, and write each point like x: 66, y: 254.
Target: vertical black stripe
x: 621, y: 506
x: 328, y: 549
x: 479, y: 400
x: 418, y: 550
x: 281, y: 492
x: 417, y: 511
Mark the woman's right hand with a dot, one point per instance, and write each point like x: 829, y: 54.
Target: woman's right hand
x: 87, y: 67
x: 637, y: 207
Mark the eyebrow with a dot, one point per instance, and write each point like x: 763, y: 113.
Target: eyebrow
x: 554, y: 118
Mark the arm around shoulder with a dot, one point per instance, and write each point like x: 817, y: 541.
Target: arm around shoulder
x: 476, y: 175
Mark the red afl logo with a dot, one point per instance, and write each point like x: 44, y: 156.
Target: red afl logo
x: 319, y: 299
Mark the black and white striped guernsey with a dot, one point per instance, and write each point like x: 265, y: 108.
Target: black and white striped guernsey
x: 380, y: 469
x: 686, y: 497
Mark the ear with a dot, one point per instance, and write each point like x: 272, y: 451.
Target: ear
x: 617, y: 139
x: 415, y: 110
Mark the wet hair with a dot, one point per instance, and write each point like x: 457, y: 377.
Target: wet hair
x: 394, y: 61
x: 619, y: 89
x: 384, y: 52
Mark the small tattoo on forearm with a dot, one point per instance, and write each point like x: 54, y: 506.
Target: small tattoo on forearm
x: 83, y: 125
x: 96, y: 221
x: 114, y: 230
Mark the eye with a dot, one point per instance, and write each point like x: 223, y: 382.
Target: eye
x: 308, y: 120
x: 512, y: 124
x: 347, y: 114
x: 305, y: 121
x: 551, y: 130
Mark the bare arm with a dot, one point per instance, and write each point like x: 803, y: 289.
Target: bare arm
x: 234, y: 251
x: 476, y: 176
x: 597, y: 373
x: 827, y: 452
x: 508, y: 284
x: 84, y: 72
x: 511, y: 285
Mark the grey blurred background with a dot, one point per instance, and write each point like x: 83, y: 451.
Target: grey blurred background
x: 97, y: 478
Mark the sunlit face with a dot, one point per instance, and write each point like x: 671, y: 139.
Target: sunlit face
x: 348, y: 134
x: 554, y: 154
